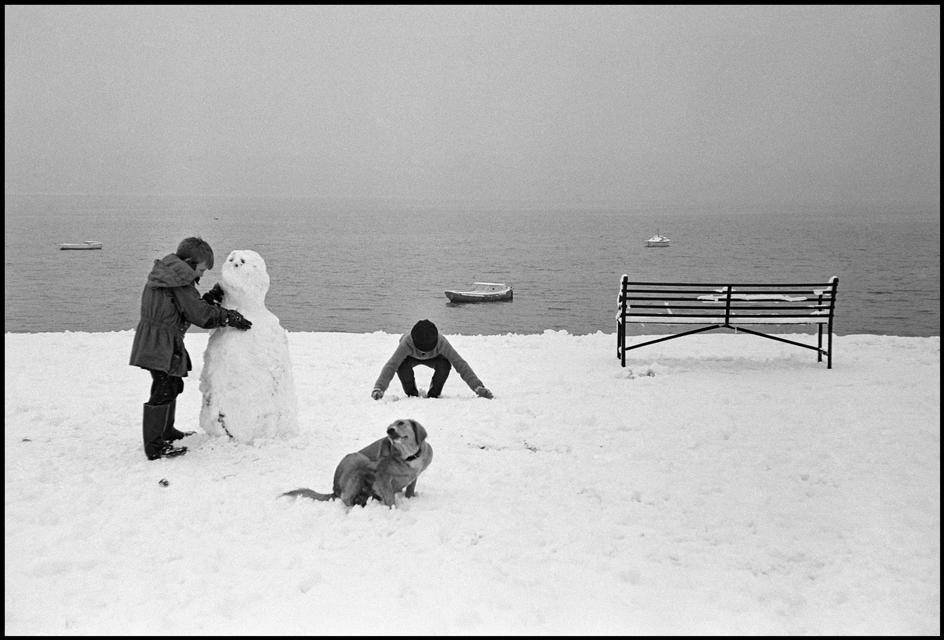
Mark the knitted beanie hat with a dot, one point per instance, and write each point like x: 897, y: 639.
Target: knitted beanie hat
x: 425, y: 335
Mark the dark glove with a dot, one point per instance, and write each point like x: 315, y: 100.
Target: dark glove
x: 236, y: 319
x: 214, y: 295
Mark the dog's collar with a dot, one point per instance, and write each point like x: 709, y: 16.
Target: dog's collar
x: 414, y: 456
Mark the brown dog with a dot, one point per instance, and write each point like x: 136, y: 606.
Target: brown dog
x: 381, y: 469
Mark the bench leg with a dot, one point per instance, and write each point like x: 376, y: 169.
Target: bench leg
x: 829, y: 354
x: 620, y: 342
x: 623, y: 347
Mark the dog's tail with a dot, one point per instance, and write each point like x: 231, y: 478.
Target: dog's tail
x: 308, y: 493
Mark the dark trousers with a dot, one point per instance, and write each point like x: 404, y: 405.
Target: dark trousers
x: 441, y: 368
x: 164, y: 388
x: 159, y: 412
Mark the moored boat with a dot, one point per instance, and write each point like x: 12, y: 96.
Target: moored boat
x: 482, y: 292
x: 658, y: 240
x: 88, y: 244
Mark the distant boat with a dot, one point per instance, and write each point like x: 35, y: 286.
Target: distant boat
x: 88, y: 244
x: 482, y: 292
x: 658, y: 240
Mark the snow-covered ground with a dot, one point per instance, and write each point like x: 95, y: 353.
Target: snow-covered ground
x: 718, y: 484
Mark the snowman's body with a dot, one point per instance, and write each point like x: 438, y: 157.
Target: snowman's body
x: 247, y: 384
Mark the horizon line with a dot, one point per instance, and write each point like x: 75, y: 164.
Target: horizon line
x: 489, y: 202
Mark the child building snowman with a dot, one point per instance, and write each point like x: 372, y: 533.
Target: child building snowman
x: 247, y: 384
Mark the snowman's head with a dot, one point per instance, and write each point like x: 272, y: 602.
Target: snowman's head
x: 244, y: 278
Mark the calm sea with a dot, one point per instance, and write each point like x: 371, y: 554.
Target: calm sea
x: 368, y: 267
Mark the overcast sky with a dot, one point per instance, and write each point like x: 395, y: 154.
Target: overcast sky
x: 556, y: 105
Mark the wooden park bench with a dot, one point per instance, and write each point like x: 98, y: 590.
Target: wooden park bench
x: 727, y: 306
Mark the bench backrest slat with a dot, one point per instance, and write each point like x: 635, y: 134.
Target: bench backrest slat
x: 714, y: 291
x: 806, y: 285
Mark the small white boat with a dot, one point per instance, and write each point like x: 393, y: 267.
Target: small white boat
x: 658, y: 240
x: 88, y: 244
x: 482, y: 292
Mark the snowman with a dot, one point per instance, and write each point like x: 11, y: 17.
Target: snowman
x: 247, y: 385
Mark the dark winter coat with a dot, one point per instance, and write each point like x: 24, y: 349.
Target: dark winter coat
x: 170, y: 303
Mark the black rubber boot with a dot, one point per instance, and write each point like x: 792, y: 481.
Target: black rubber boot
x: 170, y: 433
x: 155, y: 419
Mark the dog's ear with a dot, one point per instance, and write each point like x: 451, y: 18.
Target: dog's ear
x: 419, y: 432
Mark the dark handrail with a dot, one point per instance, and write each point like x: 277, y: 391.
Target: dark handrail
x: 819, y: 285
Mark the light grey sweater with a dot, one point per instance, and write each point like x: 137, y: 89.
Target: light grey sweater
x: 443, y: 348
